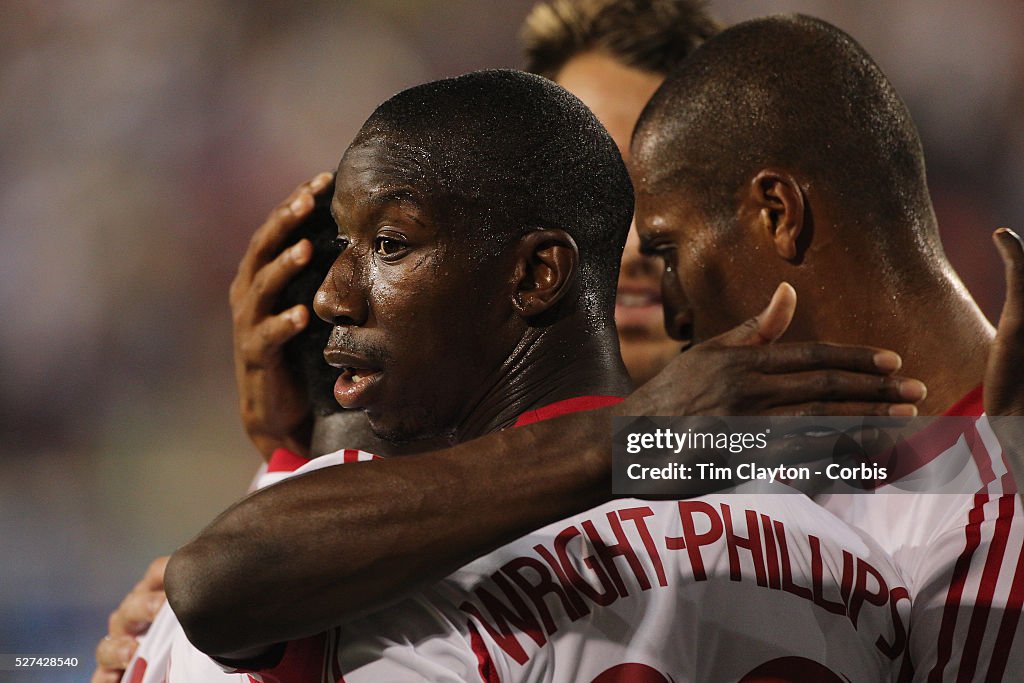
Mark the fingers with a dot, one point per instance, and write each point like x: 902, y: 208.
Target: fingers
x: 153, y: 579
x: 260, y: 334
x: 802, y: 356
x: 136, y: 612
x: 1003, y: 372
x: 268, y: 282
x: 267, y: 239
x: 1011, y: 250
x: 843, y: 390
x: 775, y: 319
x: 113, y: 654
x: 262, y: 342
x: 844, y: 408
x: 106, y: 676
x: 768, y: 325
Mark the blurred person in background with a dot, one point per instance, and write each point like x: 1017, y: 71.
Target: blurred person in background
x: 613, y: 55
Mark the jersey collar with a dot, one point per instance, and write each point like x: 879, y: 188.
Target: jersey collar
x: 569, y: 405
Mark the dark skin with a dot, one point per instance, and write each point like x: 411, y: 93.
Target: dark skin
x: 787, y: 231
x: 1003, y: 397
x: 372, y: 533
x: 1004, y: 400
x: 902, y: 293
x: 411, y: 358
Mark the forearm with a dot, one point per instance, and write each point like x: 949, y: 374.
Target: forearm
x: 316, y: 550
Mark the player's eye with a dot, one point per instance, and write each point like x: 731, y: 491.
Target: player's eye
x: 667, y: 254
x: 340, y: 242
x: 388, y: 247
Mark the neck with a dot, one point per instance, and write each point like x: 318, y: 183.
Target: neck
x: 351, y: 429
x: 929, y: 318
x: 549, y: 364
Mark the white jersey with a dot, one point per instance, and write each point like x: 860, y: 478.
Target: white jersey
x: 730, y: 587
x: 164, y: 648
x: 961, y: 553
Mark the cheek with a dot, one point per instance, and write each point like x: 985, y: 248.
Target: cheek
x: 707, y: 292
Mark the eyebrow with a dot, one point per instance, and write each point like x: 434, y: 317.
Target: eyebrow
x: 377, y: 200
x: 398, y: 194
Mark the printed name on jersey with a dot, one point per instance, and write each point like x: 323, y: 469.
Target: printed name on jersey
x: 514, y: 600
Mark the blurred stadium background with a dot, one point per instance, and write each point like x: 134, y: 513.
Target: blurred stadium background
x: 140, y: 145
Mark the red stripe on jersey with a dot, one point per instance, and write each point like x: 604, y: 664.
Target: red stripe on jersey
x: 956, y: 587
x: 934, y: 440
x: 1008, y: 624
x: 569, y: 405
x: 283, y: 460
x: 303, y: 660
x: 971, y: 404
x: 986, y: 590
x: 350, y: 455
x: 485, y: 665
x: 138, y: 671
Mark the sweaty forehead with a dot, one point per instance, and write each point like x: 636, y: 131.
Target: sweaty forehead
x: 381, y: 169
x: 381, y: 160
x: 648, y: 163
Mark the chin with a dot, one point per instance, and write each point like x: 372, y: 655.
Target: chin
x: 409, y: 429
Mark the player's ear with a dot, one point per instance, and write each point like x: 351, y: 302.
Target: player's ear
x: 547, y: 267
x: 776, y: 203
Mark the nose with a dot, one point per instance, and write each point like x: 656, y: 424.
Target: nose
x: 341, y: 299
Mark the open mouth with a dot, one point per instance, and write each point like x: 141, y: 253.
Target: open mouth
x: 358, y: 376
x: 638, y: 298
x: 638, y: 311
x: 352, y: 385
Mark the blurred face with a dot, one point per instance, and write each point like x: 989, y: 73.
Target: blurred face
x: 419, y: 323
x: 617, y: 94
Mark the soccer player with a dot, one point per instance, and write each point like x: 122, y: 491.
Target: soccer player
x: 779, y: 151
x: 143, y: 629
x: 613, y: 55
x: 609, y: 53
x: 473, y: 292
x: 265, y: 268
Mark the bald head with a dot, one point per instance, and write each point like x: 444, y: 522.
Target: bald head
x: 791, y: 92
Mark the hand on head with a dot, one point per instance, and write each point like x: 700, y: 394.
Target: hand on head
x: 273, y: 403
x: 746, y: 372
x: 1004, y: 374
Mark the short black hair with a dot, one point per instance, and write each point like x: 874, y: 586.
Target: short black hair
x: 513, y: 152
x: 650, y: 35
x: 791, y: 91
x: 304, y: 353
